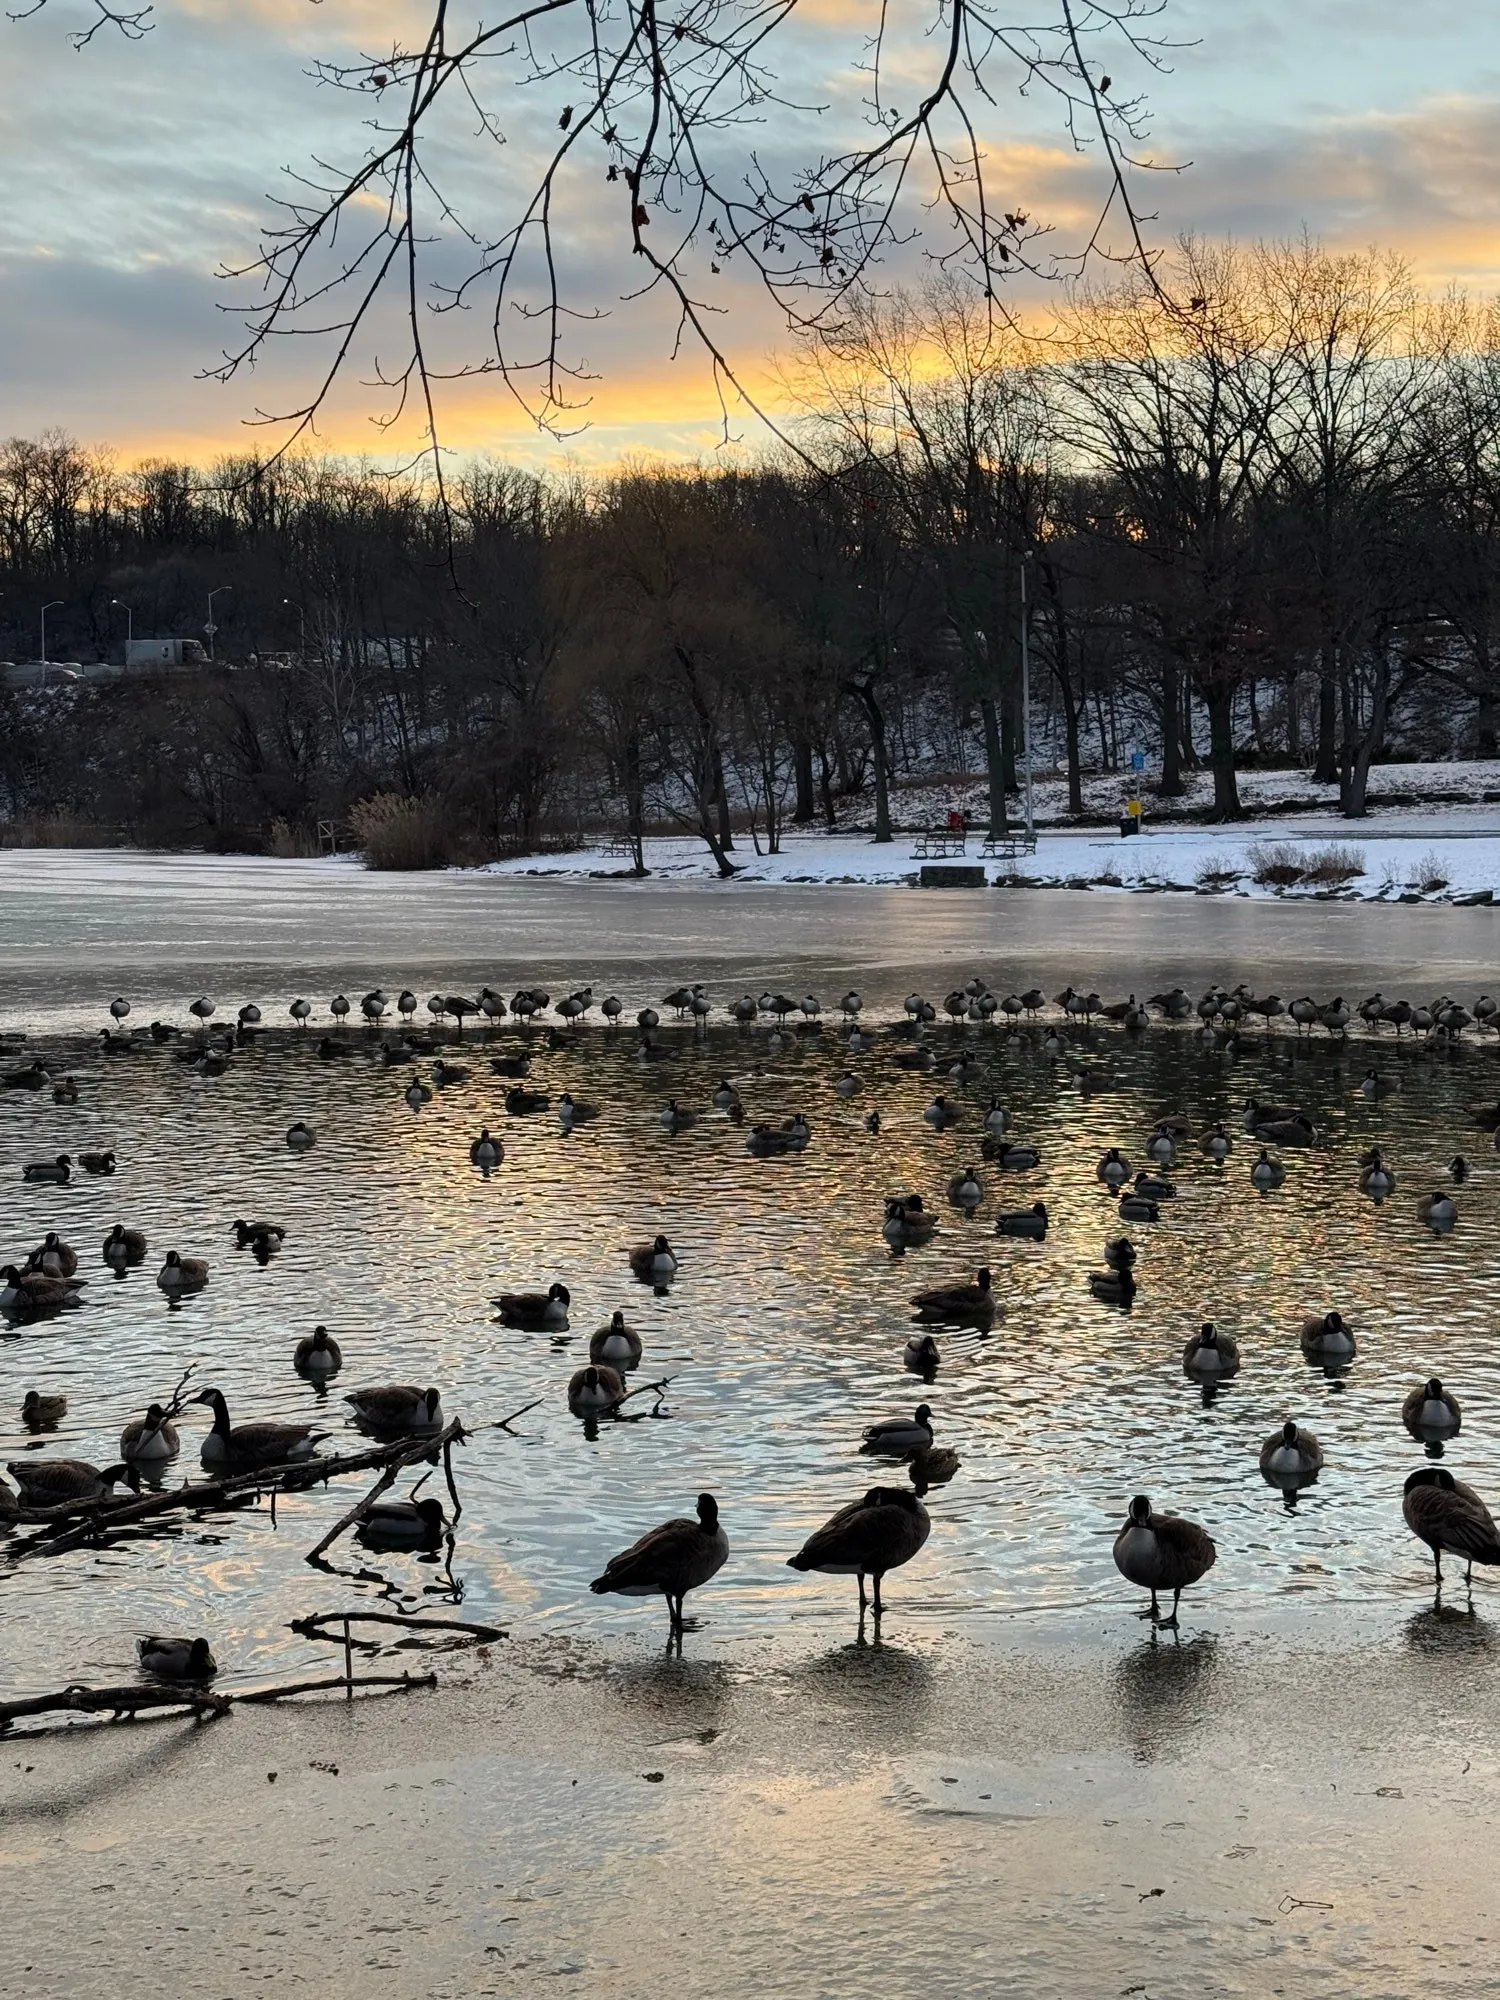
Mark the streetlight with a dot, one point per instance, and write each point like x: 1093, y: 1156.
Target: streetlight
x: 1026, y: 694
x: 301, y: 611
x: 210, y: 628
x: 119, y: 604
x: 45, y: 609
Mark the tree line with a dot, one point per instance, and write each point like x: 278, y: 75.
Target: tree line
x: 1246, y: 505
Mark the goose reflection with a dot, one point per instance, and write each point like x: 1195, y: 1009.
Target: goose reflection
x: 1160, y: 1689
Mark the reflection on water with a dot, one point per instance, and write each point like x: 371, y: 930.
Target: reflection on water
x: 782, y: 1334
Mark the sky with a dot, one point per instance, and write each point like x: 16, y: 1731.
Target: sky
x: 136, y: 170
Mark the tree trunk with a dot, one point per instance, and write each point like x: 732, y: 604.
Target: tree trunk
x: 1220, y: 700
x: 825, y: 785
x: 1171, y: 737
x: 805, y: 811
x: 1293, y: 721
x: 1361, y: 752
x: 1325, y: 767
x: 635, y: 801
x: 864, y: 693
x: 994, y: 757
x: 721, y: 802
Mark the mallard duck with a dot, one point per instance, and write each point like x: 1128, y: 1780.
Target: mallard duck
x: 1328, y: 1338
x: 1138, y: 1208
x: 398, y: 1406
x: 1160, y: 1552
x: 655, y: 1262
x: 56, y: 1170
x: 1120, y: 1254
x: 932, y: 1468
x: 594, y: 1389
x: 897, y: 1437
x: 1445, y: 1514
x: 61, y: 1482
x: 1374, y: 1086
x: 1266, y: 1173
x: 966, y: 1190
x: 975, y: 1302
x: 940, y: 1114
x: 1375, y: 1177
x: 300, y: 1136
x: 616, y: 1343
x: 1216, y: 1143
x: 1458, y: 1168
x: 318, y: 1354
x: 1291, y: 1454
x: 176, y: 1659
x: 922, y: 1355
x: 124, y: 1246
x: 1014, y: 1159
x: 182, y: 1274
x: 1432, y: 1411
x: 907, y: 1222
x: 1113, y: 1288
x: 42, y: 1413
x: 486, y: 1151
x: 53, y: 1258
x: 65, y: 1090
x: 868, y: 1538
x: 403, y: 1524
x: 1211, y: 1353
x: 97, y: 1163
x: 247, y: 1447
x: 669, y: 1561
x: 549, y: 1308
x: 262, y: 1237
x: 1437, y: 1211
x: 153, y: 1436
x: 1030, y: 1222
x: 573, y: 1111
x: 1154, y: 1187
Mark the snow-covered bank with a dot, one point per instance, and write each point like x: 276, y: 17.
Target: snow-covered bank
x: 1458, y: 850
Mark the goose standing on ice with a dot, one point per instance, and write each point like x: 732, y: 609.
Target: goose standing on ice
x: 669, y: 1561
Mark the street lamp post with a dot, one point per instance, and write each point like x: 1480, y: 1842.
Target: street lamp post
x: 52, y: 606
x: 1026, y: 692
x: 210, y: 628
x: 301, y: 611
x: 119, y: 604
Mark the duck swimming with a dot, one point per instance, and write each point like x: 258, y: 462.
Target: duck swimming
x: 1027, y: 1222
x: 898, y: 1437
x: 964, y: 1303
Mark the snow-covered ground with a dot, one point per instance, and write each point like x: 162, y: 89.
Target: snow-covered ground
x: 1395, y: 858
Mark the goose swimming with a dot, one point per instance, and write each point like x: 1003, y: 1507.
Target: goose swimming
x: 62, y: 1482
x: 1329, y: 1338
x: 1431, y: 1411
x: 974, y: 1303
x: 616, y: 1343
x: 317, y: 1354
x: 1211, y: 1354
x: 151, y: 1438
x: 549, y: 1308
x: 248, y: 1447
x: 1291, y: 1455
x: 398, y: 1406
x: 182, y: 1274
x: 594, y: 1389
x: 1028, y: 1222
x: 654, y: 1262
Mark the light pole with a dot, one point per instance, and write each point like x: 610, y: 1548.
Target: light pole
x: 119, y: 604
x: 301, y: 611
x: 45, y: 609
x: 1026, y: 693
x: 210, y: 628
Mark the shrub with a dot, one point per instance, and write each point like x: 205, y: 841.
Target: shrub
x: 1428, y: 877
x: 59, y: 829
x: 1275, y: 864
x: 1335, y: 864
x: 287, y: 840
x: 401, y: 833
x: 1212, y: 876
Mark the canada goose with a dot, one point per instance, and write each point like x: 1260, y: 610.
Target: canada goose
x: 398, y: 1406
x: 403, y: 1524
x: 1113, y: 1168
x: 317, y: 1354
x: 26, y: 1292
x: 1258, y: 1114
x: 1432, y: 1411
x: 486, y: 1151
x: 1154, y: 1187
x: 182, y: 1274
x: 176, y: 1659
x: 594, y: 1389
x: 941, y: 1114
x: 249, y: 1015
x: 1438, y: 1211
x: 1376, y: 1178
x: 797, y: 1130
x: 1335, y: 1016
x: 1216, y: 1143
x: 42, y: 1413
x: 119, y: 1008
x: 34, y: 1076
x: 975, y: 1302
x: 677, y: 1119
x: 417, y: 1093
x: 202, y: 1009
x: 907, y: 1224
x: 300, y: 1136
x: 1297, y: 1131
x: 1160, y: 1552
x: 1291, y: 1454
x: 124, y: 1246
x: 573, y: 1111
x: 262, y: 1237
x: 53, y: 1258
x: 300, y: 1011
x: 65, y: 1091
x: 97, y: 1163
x: 898, y: 1437
x: 1114, y: 1287
x: 966, y: 1190
x: 373, y: 1005
x: 247, y: 1447
x: 1162, y: 1148
x: 1211, y: 1353
x: 1137, y: 1208
x: 332, y: 1051
x: 867, y: 1538
x: 1013, y: 1159
x: 1374, y: 1086
x: 769, y: 1142
x: 523, y: 1103
x: 669, y: 1561
x: 1267, y: 1173
x: 1445, y: 1514
x: 612, y: 1007
x: 872, y: 1123
x: 48, y: 1170
x: 151, y: 1437
x: 1328, y: 1338
x: 654, y: 1261
x: 922, y: 1355
x: 1458, y: 1168
x: 549, y: 1308
x: 1030, y: 1222
x: 444, y: 1074
x: 59, y: 1482
x: 615, y: 1343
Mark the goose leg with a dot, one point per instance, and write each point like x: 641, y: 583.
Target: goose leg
x: 1151, y: 1611
x: 860, y: 1579
x: 878, y: 1608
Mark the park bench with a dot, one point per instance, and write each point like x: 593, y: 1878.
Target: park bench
x: 939, y: 846
x: 1007, y: 846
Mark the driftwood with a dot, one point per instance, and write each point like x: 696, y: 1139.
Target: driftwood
x: 121, y: 1702
x: 313, y: 1627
